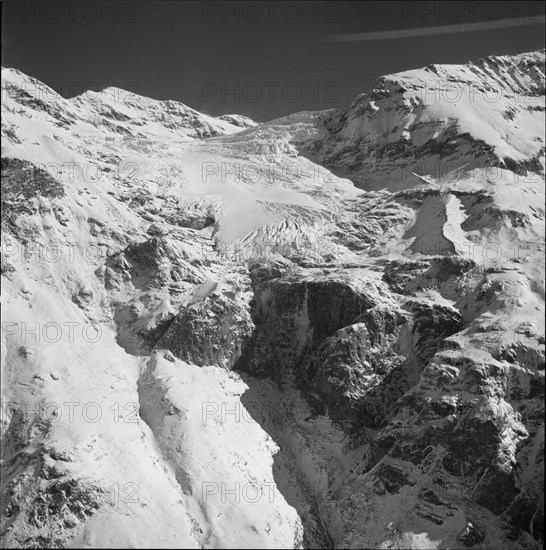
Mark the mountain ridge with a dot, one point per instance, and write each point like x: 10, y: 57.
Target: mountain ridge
x: 321, y: 331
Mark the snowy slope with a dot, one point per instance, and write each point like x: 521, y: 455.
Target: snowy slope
x: 442, y: 121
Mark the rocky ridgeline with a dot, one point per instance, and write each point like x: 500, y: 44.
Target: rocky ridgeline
x: 420, y: 122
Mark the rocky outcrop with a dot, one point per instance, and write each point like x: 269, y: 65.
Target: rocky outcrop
x: 459, y: 426
x: 41, y: 488
x: 214, y: 328
x: 238, y: 120
x: 355, y: 374
x: 433, y: 323
x: 295, y: 312
x: 26, y: 188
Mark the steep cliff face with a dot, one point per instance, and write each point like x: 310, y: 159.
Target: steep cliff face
x: 211, y: 337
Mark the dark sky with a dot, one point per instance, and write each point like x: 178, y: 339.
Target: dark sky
x: 260, y: 59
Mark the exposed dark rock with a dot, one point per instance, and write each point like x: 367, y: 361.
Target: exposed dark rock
x: 432, y: 324
x: 212, y: 331
x: 22, y: 184
x: 393, y: 478
x: 471, y: 534
x: 295, y: 312
x: 351, y: 370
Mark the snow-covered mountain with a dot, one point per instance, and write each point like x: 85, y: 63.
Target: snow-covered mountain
x: 442, y: 119
x: 321, y: 331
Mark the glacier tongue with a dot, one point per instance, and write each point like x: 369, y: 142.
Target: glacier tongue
x: 322, y: 331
